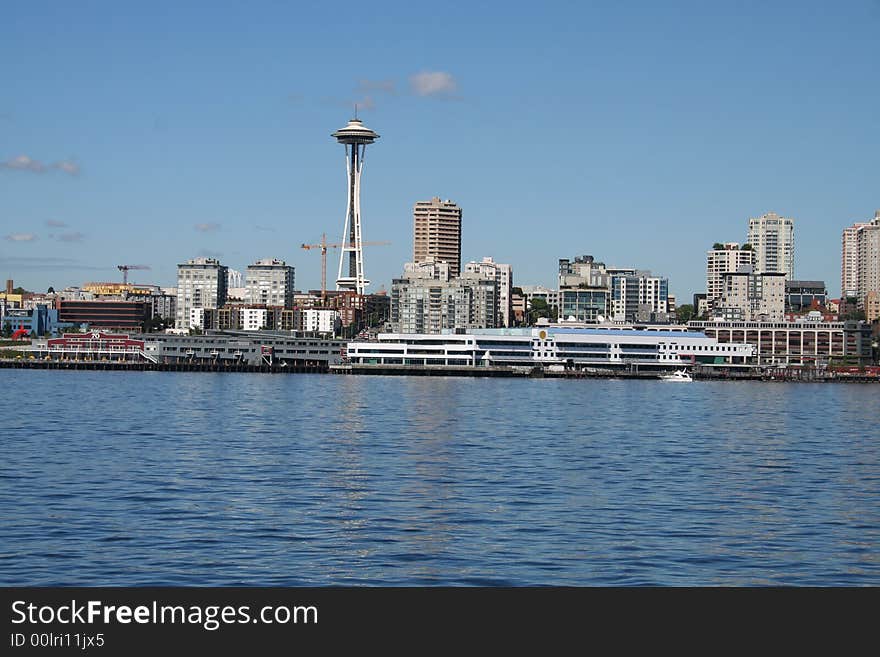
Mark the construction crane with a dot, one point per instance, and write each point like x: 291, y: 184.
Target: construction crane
x: 124, y: 269
x: 324, y: 246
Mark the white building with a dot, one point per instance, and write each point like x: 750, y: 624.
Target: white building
x: 503, y: 275
x: 237, y: 294
x: 201, y: 283
x: 868, y: 244
x: 750, y: 296
x: 719, y: 261
x: 197, y: 318
x: 427, y: 300
x: 849, y: 260
x: 639, y: 297
x: 270, y: 282
x: 604, y: 346
x: 254, y: 319
x: 319, y: 320
x: 772, y: 238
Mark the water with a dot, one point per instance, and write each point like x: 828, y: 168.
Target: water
x: 143, y: 478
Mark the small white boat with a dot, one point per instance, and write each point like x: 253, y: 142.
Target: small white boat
x: 678, y: 375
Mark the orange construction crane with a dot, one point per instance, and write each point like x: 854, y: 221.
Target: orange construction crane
x: 324, y: 246
x: 124, y: 269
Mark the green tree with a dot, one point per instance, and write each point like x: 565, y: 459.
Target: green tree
x: 540, y: 308
x: 718, y: 246
x: 746, y: 247
x: 684, y: 313
x: 7, y: 330
x: 51, y: 290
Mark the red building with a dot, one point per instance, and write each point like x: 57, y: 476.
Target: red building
x: 95, y: 345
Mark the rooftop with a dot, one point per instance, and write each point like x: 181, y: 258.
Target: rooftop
x: 355, y: 133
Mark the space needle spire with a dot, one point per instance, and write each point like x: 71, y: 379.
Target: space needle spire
x: 355, y: 136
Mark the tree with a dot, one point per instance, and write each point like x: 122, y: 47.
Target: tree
x: 718, y: 246
x: 540, y: 308
x: 746, y: 247
x: 684, y: 313
x: 7, y: 330
x: 51, y: 290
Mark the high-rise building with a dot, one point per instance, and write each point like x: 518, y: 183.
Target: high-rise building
x: 723, y: 258
x: 503, y: 274
x: 270, y: 282
x: 772, y: 238
x: 849, y: 261
x: 437, y: 233
x: 868, y: 263
x: 201, y: 283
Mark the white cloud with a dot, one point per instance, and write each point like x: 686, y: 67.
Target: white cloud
x: 71, y: 237
x: 207, y: 227
x: 54, y: 223
x: 26, y: 163
x: 433, y: 83
x: 67, y: 167
x: 21, y: 237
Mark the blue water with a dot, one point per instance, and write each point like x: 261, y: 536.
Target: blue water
x: 110, y: 478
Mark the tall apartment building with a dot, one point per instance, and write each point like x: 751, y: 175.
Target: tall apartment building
x: 437, y: 233
x: 849, y: 260
x: 772, y: 238
x: 269, y: 282
x: 729, y: 257
x: 489, y: 269
x: 201, y: 283
x: 639, y: 297
x: 426, y: 299
x: 868, y: 263
x: 750, y: 296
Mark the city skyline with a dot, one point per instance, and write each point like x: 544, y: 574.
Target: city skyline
x: 682, y: 136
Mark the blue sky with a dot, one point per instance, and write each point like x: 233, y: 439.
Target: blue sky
x: 637, y: 132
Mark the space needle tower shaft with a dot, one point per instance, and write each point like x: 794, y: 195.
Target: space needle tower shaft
x: 355, y: 136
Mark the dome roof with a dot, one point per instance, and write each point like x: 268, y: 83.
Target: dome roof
x: 355, y: 132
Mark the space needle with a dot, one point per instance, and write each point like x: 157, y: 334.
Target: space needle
x: 355, y: 136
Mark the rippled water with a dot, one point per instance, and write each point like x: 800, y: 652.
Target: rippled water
x: 111, y: 478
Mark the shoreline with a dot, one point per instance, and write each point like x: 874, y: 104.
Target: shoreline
x: 779, y: 376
